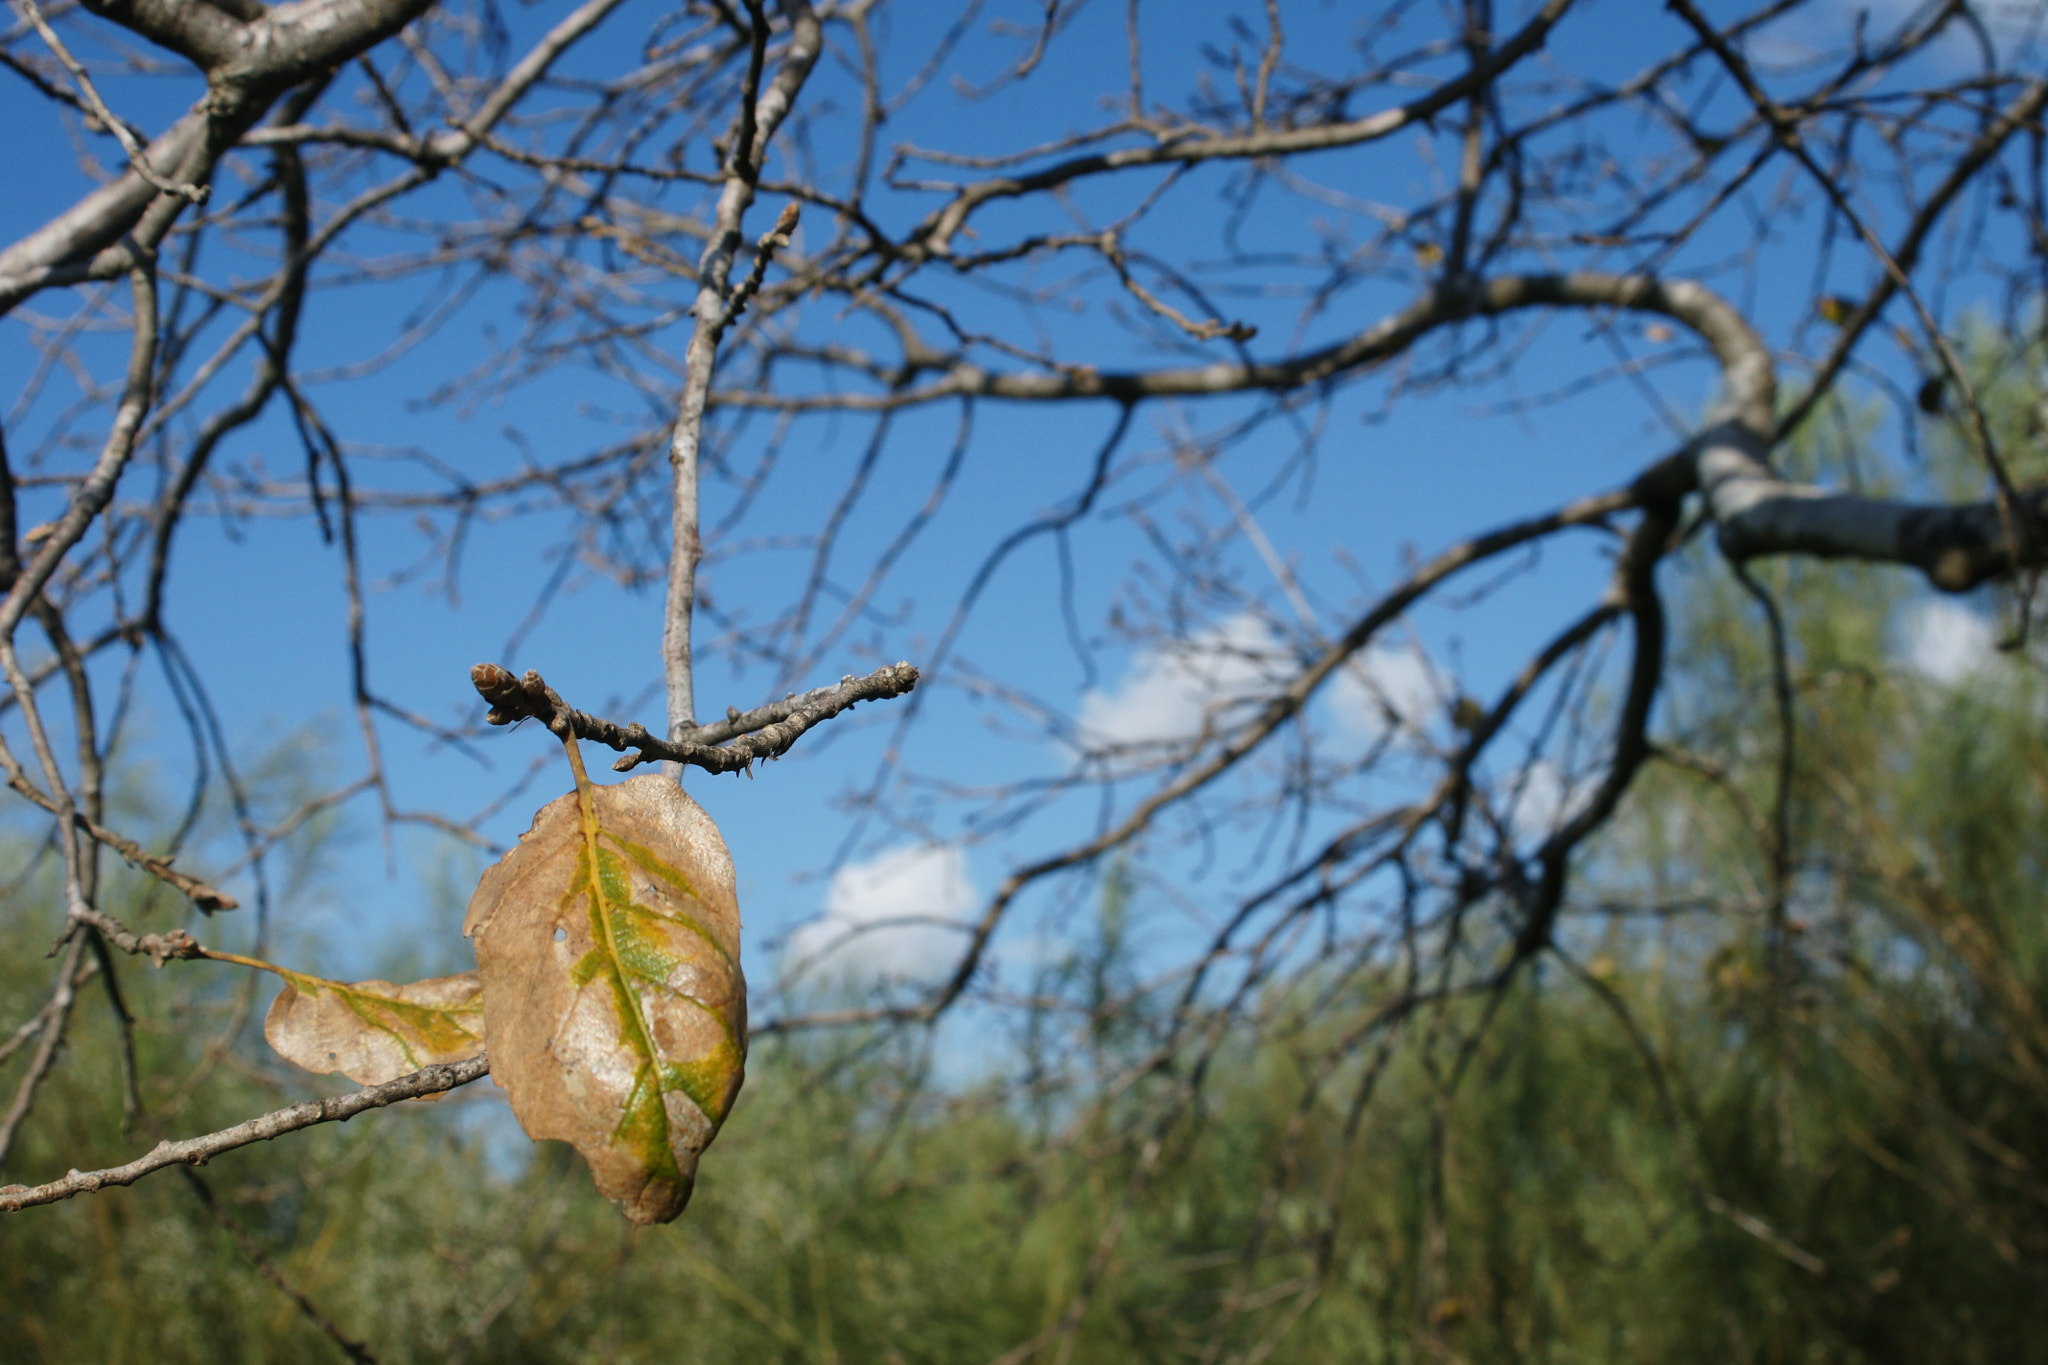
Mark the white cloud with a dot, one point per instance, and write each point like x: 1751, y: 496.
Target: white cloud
x: 2006, y: 19
x: 1170, y: 691
x: 1805, y: 33
x: 1946, y: 641
x: 1383, y: 679
x: 896, y: 918
x: 1547, y: 801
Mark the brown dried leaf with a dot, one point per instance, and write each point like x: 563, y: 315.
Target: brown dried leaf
x: 373, y: 1031
x: 608, y: 943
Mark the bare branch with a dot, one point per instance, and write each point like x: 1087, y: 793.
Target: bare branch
x: 205, y: 35
x: 1283, y: 706
x: 192, y: 888
x: 935, y: 235
x: 770, y: 730
x: 248, y: 66
x: 90, y: 94
x: 51, y: 1022
x: 753, y: 128
x: 197, y: 1151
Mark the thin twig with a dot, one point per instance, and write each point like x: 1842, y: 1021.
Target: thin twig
x: 55, y: 1015
x: 197, y: 1151
x: 206, y: 897
x: 260, y: 1259
x: 754, y: 126
x: 138, y: 155
x: 158, y: 948
x: 770, y: 730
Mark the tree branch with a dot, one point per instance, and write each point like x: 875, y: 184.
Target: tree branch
x: 771, y: 729
x: 192, y: 888
x: 204, y: 35
x: 247, y: 67
x: 934, y: 236
x: 1656, y: 484
x: 197, y: 1151
x: 753, y: 127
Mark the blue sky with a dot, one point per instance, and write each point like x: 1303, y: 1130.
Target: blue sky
x: 260, y: 603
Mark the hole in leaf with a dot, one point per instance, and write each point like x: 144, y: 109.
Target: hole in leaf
x: 560, y: 933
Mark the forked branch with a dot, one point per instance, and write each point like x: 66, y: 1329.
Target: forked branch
x: 769, y: 730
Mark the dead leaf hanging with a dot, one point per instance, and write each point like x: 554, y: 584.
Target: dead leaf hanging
x: 373, y: 1031
x: 608, y: 945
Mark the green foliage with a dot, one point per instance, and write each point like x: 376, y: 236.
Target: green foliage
x: 1742, y: 1119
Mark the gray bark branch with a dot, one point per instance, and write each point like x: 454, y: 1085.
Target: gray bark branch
x: 769, y: 730
x: 753, y: 128
x: 197, y: 1151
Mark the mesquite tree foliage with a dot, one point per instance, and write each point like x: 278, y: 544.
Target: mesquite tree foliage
x: 1226, y: 238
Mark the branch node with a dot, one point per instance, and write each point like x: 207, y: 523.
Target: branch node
x: 726, y: 746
